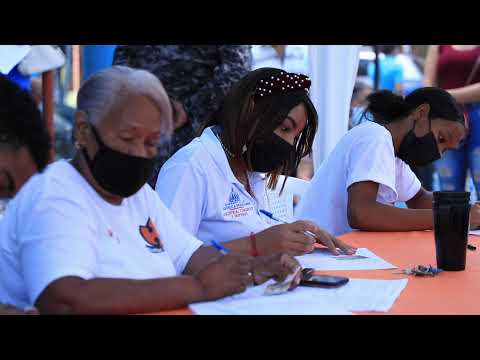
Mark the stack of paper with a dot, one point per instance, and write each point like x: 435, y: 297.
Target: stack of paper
x: 253, y: 302
x: 357, y: 295
x: 323, y: 260
x: 367, y: 295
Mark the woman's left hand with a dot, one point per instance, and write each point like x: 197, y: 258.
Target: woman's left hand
x: 276, y: 267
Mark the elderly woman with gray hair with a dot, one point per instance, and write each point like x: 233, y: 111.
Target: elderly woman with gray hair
x: 89, y: 236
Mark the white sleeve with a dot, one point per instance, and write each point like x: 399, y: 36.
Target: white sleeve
x: 56, y: 240
x: 179, y: 244
x: 182, y: 188
x: 371, y: 159
x: 408, y: 184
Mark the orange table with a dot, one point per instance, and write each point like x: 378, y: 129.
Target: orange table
x: 447, y: 293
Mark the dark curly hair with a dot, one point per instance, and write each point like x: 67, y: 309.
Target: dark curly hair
x: 21, y: 123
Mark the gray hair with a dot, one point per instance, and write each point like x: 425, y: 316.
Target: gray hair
x: 102, y: 91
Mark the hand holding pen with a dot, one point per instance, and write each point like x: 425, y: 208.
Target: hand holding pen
x: 315, y: 234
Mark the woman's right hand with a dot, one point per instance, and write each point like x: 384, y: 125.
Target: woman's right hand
x: 225, y: 276
x: 291, y: 239
x: 475, y: 216
x: 285, y: 238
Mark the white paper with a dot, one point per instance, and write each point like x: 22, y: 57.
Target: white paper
x: 474, y: 232
x: 11, y: 55
x: 366, y: 294
x: 301, y: 301
x: 356, y: 295
x: 323, y: 260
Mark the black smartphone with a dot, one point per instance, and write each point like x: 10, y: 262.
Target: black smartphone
x: 325, y: 281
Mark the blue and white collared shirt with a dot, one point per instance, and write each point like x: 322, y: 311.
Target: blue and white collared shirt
x: 199, y: 187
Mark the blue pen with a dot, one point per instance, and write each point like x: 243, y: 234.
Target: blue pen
x: 270, y: 215
x: 222, y: 249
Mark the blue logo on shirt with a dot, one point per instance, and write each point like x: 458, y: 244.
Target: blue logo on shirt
x: 236, y: 206
x: 233, y: 198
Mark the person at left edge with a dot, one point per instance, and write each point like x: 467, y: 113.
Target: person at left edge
x: 24, y: 150
x: 24, y: 139
x: 89, y: 236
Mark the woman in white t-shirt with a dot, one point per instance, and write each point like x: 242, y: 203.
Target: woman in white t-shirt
x: 369, y: 169
x: 89, y: 236
x: 215, y: 185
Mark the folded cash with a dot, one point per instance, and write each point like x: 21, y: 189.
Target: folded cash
x: 284, y: 286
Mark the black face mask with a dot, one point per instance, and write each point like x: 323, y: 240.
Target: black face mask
x: 118, y: 173
x: 271, y: 153
x: 419, y: 151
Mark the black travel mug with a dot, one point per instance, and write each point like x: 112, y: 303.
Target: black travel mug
x: 451, y: 217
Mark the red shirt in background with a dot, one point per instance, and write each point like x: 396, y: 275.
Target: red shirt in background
x: 455, y: 66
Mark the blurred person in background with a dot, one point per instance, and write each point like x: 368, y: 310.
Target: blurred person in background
x: 361, y: 90
x: 412, y: 70
x: 196, y: 78
x: 456, y: 68
x: 391, y: 70
x: 400, y: 74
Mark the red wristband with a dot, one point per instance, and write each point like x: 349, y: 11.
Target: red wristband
x: 253, y: 240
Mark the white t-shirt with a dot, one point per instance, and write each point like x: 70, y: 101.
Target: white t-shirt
x: 295, y: 61
x: 365, y: 153
x: 59, y: 226
x: 199, y: 187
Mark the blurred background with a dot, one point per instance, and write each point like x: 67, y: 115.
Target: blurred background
x: 83, y: 60
x: 399, y: 68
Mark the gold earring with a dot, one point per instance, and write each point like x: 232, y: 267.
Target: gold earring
x: 78, y: 145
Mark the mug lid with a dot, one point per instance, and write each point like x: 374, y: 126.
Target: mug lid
x: 451, y: 195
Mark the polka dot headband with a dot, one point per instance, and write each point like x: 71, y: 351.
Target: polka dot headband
x: 282, y: 83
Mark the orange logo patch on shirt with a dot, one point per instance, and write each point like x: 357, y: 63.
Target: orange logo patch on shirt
x: 150, y: 235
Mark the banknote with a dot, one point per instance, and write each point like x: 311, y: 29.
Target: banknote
x: 284, y: 286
